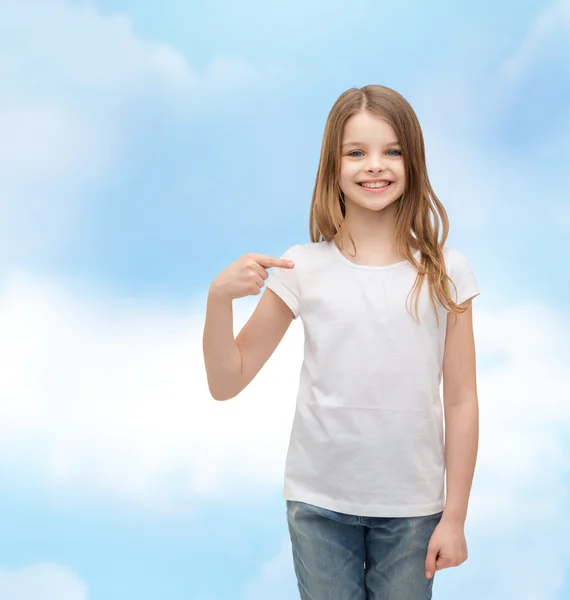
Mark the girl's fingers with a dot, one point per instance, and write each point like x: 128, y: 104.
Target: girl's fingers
x: 267, y: 261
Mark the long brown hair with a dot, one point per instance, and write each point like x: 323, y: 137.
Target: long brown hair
x: 418, y: 202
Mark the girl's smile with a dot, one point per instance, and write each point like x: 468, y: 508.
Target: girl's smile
x: 375, y: 188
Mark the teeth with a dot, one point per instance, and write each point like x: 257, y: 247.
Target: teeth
x: 376, y: 184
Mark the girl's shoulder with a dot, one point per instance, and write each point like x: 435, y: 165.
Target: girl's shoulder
x: 309, y: 256
x: 456, y: 261
x: 453, y: 255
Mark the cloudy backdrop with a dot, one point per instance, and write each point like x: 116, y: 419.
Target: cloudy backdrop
x: 144, y: 148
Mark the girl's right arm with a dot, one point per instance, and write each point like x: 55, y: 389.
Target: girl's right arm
x: 231, y: 364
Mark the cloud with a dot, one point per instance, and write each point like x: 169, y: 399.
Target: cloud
x: 108, y: 397
x: 111, y: 396
x: 41, y: 582
x: 518, y: 509
x: 79, y: 89
x: 495, y: 127
x: 533, y: 88
x: 85, y: 53
x: 69, y: 77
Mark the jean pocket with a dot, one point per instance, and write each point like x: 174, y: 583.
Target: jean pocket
x: 306, y: 508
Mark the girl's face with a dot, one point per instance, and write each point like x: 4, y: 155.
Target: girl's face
x: 370, y: 151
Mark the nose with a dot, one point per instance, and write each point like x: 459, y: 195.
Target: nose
x: 375, y: 164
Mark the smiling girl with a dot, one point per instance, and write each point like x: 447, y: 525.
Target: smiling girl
x: 386, y: 309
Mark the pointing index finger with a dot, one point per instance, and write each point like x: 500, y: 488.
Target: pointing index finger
x: 268, y: 261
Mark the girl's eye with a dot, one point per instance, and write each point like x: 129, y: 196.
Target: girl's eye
x: 398, y: 153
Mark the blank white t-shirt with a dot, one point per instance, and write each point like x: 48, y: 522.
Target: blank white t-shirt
x: 367, y: 436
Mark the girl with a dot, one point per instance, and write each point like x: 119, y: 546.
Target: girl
x: 386, y: 309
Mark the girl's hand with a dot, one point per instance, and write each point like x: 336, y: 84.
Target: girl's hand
x: 447, y: 547
x: 245, y: 276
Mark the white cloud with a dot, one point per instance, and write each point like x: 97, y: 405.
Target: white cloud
x: 68, y: 75
x: 108, y: 397
x: 525, y: 102
x: 74, y: 82
x: 112, y: 396
x: 41, y: 582
x: 84, y: 52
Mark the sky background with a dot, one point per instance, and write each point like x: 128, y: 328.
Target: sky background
x: 142, y: 149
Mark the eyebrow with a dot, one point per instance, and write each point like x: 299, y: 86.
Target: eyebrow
x: 346, y: 144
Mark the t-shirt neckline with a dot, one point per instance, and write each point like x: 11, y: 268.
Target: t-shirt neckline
x: 343, y: 258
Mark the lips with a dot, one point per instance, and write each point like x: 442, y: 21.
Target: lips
x: 375, y: 190
x: 385, y: 181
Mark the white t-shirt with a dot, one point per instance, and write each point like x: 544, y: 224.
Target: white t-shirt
x: 367, y: 436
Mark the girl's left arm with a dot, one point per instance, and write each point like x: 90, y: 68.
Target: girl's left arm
x: 461, y: 413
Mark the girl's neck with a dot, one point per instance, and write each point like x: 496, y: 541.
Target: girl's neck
x: 371, y: 231
x: 373, y: 235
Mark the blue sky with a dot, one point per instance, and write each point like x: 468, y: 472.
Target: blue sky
x: 143, y: 150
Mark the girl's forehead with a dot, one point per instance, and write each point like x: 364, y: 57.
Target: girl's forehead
x: 367, y: 127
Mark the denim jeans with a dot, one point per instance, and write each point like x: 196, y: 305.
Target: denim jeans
x: 345, y: 557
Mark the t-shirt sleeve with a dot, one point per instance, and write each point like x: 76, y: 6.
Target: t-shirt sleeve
x: 460, y: 272
x: 285, y: 282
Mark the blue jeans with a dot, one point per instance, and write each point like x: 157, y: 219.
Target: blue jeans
x: 344, y: 557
